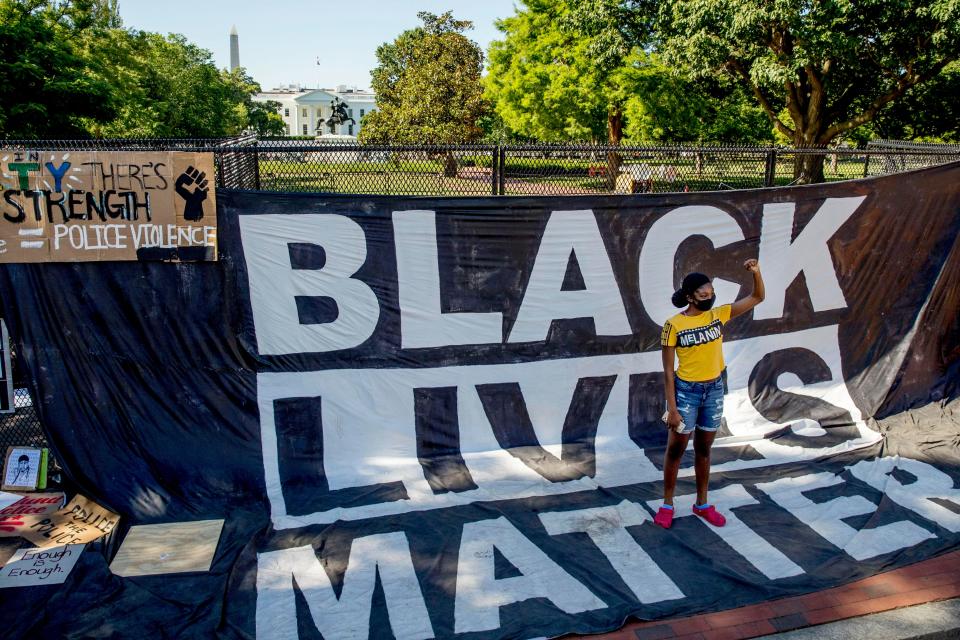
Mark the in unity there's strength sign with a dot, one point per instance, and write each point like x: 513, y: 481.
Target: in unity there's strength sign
x: 92, y: 206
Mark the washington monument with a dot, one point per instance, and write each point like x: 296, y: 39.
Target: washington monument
x: 234, y: 48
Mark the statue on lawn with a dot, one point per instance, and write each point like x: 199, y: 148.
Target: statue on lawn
x: 338, y: 116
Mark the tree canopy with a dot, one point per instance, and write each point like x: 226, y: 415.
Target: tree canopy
x: 47, y: 86
x: 585, y: 70
x: 427, y: 83
x: 582, y: 70
x: 69, y: 69
x: 540, y: 79
x: 830, y: 66
x: 928, y: 112
x: 715, y: 70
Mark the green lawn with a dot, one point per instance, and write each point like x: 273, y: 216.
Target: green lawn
x: 424, y: 176
x: 374, y: 182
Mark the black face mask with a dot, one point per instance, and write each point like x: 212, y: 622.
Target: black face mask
x: 705, y: 305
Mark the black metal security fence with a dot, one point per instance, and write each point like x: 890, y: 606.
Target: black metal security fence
x: 21, y: 426
x: 901, y: 155
x: 303, y: 165
x: 334, y: 167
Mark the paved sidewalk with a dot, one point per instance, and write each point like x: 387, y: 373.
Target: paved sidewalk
x: 924, y: 582
x: 931, y: 621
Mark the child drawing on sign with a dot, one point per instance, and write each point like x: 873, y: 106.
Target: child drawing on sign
x: 694, y: 390
x: 22, y: 474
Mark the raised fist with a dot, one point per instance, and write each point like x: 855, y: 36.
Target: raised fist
x: 193, y: 200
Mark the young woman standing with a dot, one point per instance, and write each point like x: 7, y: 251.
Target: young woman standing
x: 695, y: 390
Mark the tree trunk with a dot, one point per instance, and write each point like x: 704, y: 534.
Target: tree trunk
x: 808, y: 167
x: 614, y: 136
x: 450, y: 165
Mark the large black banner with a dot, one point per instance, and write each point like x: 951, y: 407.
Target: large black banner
x: 439, y: 417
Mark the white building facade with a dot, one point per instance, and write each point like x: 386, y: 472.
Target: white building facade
x: 305, y: 110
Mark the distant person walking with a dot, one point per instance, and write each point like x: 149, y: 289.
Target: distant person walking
x: 694, y: 390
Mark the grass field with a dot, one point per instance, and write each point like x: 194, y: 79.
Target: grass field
x: 530, y: 175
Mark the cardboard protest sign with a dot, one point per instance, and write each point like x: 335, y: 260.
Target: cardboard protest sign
x: 106, y: 205
x: 24, y: 468
x: 81, y: 521
x: 35, y: 567
x: 170, y: 547
x: 28, y: 509
x: 35, y: 503
x: 7, y: 499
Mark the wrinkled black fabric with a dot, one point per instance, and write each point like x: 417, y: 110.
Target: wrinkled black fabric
x: 144, y: 376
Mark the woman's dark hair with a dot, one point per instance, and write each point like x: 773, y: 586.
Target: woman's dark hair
x: 691, y: 283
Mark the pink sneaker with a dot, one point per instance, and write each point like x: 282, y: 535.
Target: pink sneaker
x: 664, y: 517
x: 711, y: 515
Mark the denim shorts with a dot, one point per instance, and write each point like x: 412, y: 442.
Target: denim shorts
x: 700, y: 404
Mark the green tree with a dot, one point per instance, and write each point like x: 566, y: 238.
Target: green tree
x: 665, y: 106
x: 584, y: 70
x: 48, y: 89
x: 832, y: 65
x: 563, y: 69
x: 69, y: 69
x: 557, y: 73
x: 929, y: 112
x: 428, y: 86
x: 264, y: 119
x: 615, y: 32
x: 169, y: 87
x: 540, y: 77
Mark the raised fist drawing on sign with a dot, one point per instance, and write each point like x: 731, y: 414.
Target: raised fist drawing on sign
x: 193, y: 200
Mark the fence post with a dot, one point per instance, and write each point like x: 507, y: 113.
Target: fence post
x: 501, y: 181
x: 770, y: 173
x: 866, y: 165
x: 494, y: 161
x: 218, y: 159
x: 256, y: 164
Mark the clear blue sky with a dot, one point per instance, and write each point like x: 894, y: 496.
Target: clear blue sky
x: 280, y: 41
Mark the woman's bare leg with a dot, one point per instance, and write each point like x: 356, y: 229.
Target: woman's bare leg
x: 676, y: 445
x: 702, y: 442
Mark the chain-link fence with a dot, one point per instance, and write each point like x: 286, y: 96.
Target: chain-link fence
x: 900, y: 155
x: 316, y: 166
x: 306, y: 166
x: 303, y: 165
x: 22, y: 426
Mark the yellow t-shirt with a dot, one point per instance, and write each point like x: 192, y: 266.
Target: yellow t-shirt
x: 699, y: 343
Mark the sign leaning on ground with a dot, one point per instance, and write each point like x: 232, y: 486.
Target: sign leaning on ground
x: 95, y: 206
x: 36, y: 567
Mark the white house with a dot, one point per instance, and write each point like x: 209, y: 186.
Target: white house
x: 305, y: 110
